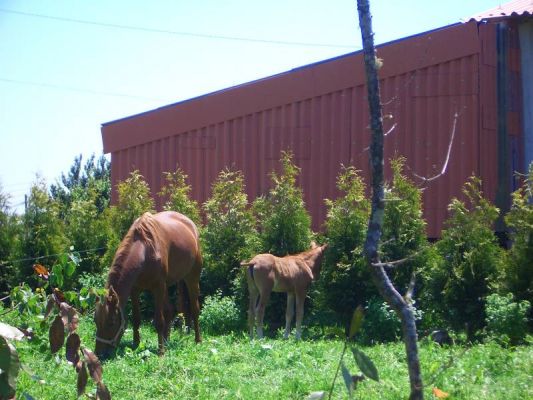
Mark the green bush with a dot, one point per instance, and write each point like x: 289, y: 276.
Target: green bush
x: 472, y: 262
x: 229, y: 236
x: 177, y: 195
x: 404, y: 228
x: 134, y: 199
x: 519, y: 271
x: 345, y: 281
x: 381, y: 324
x: 285, y: 224
x: 506, y: 319
x: 220, y: 315
x: 285, y: 228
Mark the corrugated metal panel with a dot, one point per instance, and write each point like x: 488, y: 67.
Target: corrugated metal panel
x: 511, y: 9
x: 320, y: 113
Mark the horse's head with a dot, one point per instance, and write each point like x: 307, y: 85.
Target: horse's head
x: 110, y: 323
x: 318, y: 255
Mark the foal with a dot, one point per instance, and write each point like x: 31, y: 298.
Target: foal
x: 291, y: 274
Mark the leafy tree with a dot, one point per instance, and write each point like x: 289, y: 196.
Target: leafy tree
x: 472, y: 261
x: 177, y: 194
x: 229, y: 235
x: 134, y: 199
x: 95, y: 176
x: 85, y: 228
x: 8, y: 234
x: 345, y: 282
x: 42, y: 236
x: 519, y: 273
x: 285, y: 223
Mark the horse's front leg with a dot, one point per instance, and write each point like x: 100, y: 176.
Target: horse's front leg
x: 136, y: 316
x: 300, y: 300
x: 289, y: 314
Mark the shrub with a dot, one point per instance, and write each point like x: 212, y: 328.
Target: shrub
x: 229, y: 235
x: 285, y: 224
x: 220, y: 314
x: 177, y: 194
x: 285, y: 227
x: 345, y: 280
x: 472, y: 261
x: 404, y: 229
x: 506, y: 319
x: 134, y: 199
x: 381, y: 324
x: 519, y: 273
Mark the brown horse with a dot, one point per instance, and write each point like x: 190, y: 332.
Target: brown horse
x: 291, y: 274
x: 158, y: 251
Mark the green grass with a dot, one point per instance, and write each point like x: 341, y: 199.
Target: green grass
x: 232, y: 367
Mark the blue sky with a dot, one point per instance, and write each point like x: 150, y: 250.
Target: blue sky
x: 68, y: 66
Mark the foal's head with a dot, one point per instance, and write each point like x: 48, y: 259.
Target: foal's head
x: 110, y: 323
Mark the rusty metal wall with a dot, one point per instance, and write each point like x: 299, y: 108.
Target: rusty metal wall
x: 320, y: 113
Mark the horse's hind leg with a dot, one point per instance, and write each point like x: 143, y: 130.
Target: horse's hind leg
x: 252, y: 304
x: 136, y: 316
x: 289, y: 314
x: 161, y: 310
x: 193, y: 288
x: 264, y: 297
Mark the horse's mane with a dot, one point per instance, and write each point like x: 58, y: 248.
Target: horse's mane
x: 145, y: 228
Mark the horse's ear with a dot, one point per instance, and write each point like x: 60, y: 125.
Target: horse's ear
x: 112, y: 297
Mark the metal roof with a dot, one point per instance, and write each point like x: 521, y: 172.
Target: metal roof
x: 514, y: 8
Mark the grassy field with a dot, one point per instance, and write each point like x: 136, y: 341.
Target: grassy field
x: 232, y: 367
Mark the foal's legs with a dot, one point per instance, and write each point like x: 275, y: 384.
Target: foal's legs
x: 136, y: 316
x: 252, y: 303
x: 264, y: 297
x: 289, y: 314
x: 300, y: 300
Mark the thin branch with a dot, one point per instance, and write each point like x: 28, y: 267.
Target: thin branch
x: 384, y: 135
x: 338, y: 368
x: 410, y: 289
x: 444, y: 367
x: 445, y: 165
x: 395, y: 263
x: 9, y: 310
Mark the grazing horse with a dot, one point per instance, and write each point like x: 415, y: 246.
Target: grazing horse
x: 291, y: 274
x: 158, y: 251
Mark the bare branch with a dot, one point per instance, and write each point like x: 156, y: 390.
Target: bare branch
x: 384, y: 135
x: 445, y: 165
x: 410, y: 289
x: 395, y: 263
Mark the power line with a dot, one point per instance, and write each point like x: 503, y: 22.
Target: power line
x: 169, y: 32
x: 51, y: 255
x: 75, y: 89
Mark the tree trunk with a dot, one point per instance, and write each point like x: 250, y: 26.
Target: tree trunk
x: 375, y: 223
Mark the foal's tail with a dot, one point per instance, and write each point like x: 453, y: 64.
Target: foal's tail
x: 250, y: 264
